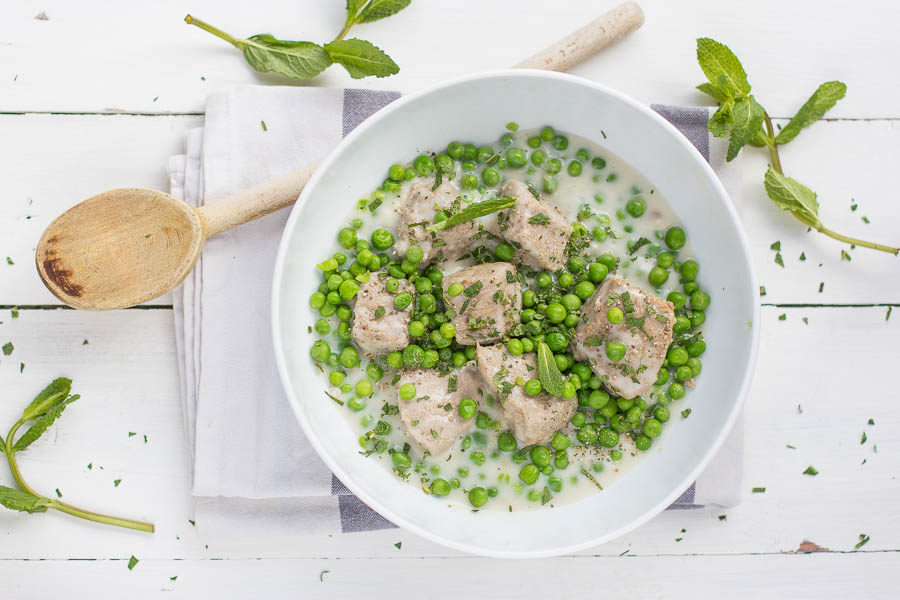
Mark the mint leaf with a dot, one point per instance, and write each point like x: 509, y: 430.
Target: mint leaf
x: 548, y: 373
x: 43, y: 422
x: 8, y: 348
x: 379, y: 9
x: 56, y: 392
x: 19, y: 500
x: 748, y: 118
x: 361, y: 58
x: 789, y: 194
x: 300, y: 60
x: 353, y: 7
x: 822, y: 100
x: 722, y: 67
x: 717, y: 94
x: 722, y: 119
x: 474, y: 211
x: 132, y: 562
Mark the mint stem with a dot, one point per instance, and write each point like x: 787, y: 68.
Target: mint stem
x: 62, y: 506
x: 776, y: 164
x: 214, y: 30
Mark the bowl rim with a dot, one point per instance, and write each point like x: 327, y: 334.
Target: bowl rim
x: 345, y: 477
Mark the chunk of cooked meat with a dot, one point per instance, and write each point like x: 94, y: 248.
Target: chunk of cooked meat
x: 378, y: 332
x: 646, y: 332
x: 533, y: 419
x: 431, y: 419
x: 416, y: 211
x: 489, y: 304
x: 537, y: 229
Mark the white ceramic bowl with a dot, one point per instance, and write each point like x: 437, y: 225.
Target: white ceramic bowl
x: 476, y: 108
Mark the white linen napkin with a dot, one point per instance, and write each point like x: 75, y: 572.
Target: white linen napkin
x: 254, y: 473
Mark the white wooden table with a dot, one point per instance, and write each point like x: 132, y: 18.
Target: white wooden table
x: 100, y: 94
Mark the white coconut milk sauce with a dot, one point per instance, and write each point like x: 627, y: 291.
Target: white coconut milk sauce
x: 596, y: 198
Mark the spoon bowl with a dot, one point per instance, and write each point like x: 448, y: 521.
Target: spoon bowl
x: 120, y: 248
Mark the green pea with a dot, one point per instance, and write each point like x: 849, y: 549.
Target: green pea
x: 562, y: 363
x: 533, y: 387
x: 402, y: 300
x: 676, y: 391
x: 642, y: 442
x: 483, y: 421
x: 423, y: 164
x: 683, y: 373
x: 527, y: 345
x: 505, y: 252
x: 571, y: 320
x: 556, y: 312
x: 658, y: 276
x: 470, y: 352
x: 698, y: 317
x: 469, y: 165
x: 348, y: 289
x: 440, y: 487
x: 323, y: 327
x: 490, y: 177
x: 571, y: 301
x: 435, y: 276
x: 609, y: 261
x: 515, y: 158
x: 677, y: 356
x: 607, y: 437
x: 636, y: 207
x: 477, y: 457
x: 584, y: 290
x: 699, y: 300
x: 416, y: 328
x: 455, y: 150
x: 514, y: 347
x: 467, y: 408
x: 506, y: 441
x: 598, y: 163
x: 549, y: 184
x: 540, y: 456
x: 662, y: 377
x: 574, y: 168
x: 560, y: 142
x: 543, y: 279
x: 615, y: 315
x: 423, y: 285
x: 391, y: 187
x: 696, y: 348
x: 320, y: 351
x: 401, y: 460
x: 561, y: 460
x: 677, y: 299
x: 597, y: 272
x: 615, y: 351
x: 336, y: 378
x: 695, y: 365
x: 413, y: 355
x: 394, y: 360
x: 427, y: 303
x: 689, y: 271
x: 554, y: 166
x: 343, y: 312
x: 349, y: 357
x: 682, y: 324
x: 665, y: 260
x: 469, y: 182
x: 447, y: 331
x: 538, y: 157
x: 396, y: 172
x: 661, y: 414
x: 347, y: 238
x: 382, y: 239
x: 547, y: 133
x: 529, y: 474
x: 598, y: 399
x: 652, y: 428
x: 557, y: 341
x: 443, y: 163
x: 534, y: 141
x: 470, y: 151
x: 478, y: 496
x: 356, y: 403
x: 579, y: 419
x: 528, y: 298
x: 407, y: 391
x: 675, y: 238
x: 586, y: 435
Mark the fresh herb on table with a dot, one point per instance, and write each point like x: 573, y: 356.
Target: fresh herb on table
x: 810, y: 470
x: 863, y: 540
x: 132, y: 562
x: 759, y: 490
x: 749, y: 123
x: 304, y: 60
x: 41, y: 413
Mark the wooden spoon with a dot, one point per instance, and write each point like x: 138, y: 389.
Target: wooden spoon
x: 129, y: 245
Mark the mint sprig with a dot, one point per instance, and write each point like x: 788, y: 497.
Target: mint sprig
x: 41, y: 413
x: 304, y: 60
x: 548, y: 372
x: 474, y: 211
x: 748, y: 123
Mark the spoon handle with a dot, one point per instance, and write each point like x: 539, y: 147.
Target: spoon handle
x: 587, y: 41
x: 254, y: 202
x: 269, y: 197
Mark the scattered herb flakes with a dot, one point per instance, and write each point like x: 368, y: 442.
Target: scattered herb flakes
x: 821, y: 286
x: 685, y: 413
x: 887, y: 315
x: 156, y: 98
x: 90, y: 466
x: 322, y: 574
x: 871, y: 421
x: 805, y: 321
x: 21, y: 367
x: 865, y: 220
x: 512, y: 126
x: 14, y: 312
x: 145, y: 438
x: 85, y: 342
x: 778, y: 260
x: 626, y: 552
x: 9, y: 261
x: 8, y: 348
x: 117, y: 482
x: 803, y: 256
x: 782, y: 317
x: 203, y: 78
x: 762, y: 290
x: 132, y: 562
x: 379, y: 312
x: 398, y: 545
x: 844, y: 255
x: 791, y: 447
x: 173, y: 578
x: 678, y: 539
x: 131, y: 434
x: 799, y: 409
x: 758, y: 490
x: 193, y: 523
x: 863, y: 540
x: 263, y: 123
x: 854, y: 206
x: 811, y: 470
x: 58, y: 493
x: 776, y: 246
x: 863, y: 439
x: 723, y: 517
x: 546, y: 496
x: 539, y: 219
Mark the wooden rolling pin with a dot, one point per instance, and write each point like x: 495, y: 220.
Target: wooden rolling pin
x: 130, y: 245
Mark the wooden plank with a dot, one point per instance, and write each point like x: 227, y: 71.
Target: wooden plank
x: 820, y: 576
x: 67, y: 159
x: 121, y: 150
x: 143, y: 58
x: 128, y: 380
